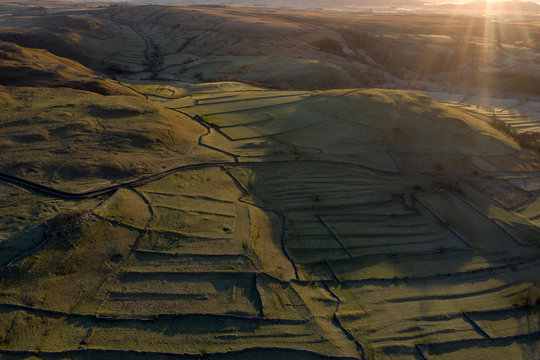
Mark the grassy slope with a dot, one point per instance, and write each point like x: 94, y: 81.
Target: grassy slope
x: 35, y: 67
x: 383, y: 129
x: 76, y: 131
x: 208, y: 245
x: 307, y: 49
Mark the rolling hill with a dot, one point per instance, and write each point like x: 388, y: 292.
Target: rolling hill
x: 149, y: 214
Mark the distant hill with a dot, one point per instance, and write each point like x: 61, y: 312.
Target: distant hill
x: 304, y: 49
x: 503, y: 6
x: 35, y: 67
x: 296, y: 4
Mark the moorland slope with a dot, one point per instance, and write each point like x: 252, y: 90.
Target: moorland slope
x: 285, y: 48
x: 156, y: 219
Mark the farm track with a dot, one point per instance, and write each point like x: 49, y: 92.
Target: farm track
x: 156, y: 176
x: 159, y: 175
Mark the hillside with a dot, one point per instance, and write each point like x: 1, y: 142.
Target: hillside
x: 39, y: 68
x: 285, y: 48
x: 65, y: 126
x: 144, y: 217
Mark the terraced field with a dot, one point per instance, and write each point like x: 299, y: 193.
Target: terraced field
x: 296, y: 227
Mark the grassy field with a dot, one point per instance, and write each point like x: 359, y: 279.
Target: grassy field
x: 90, y: 140
x: 372, y: 127
x: 289, y: 245
x: 258, y: 223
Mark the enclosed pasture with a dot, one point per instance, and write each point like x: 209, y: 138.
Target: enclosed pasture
x: 430, y: 309
x: 393, y: 234
x: 371, y: 127
x: 313, y: 225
